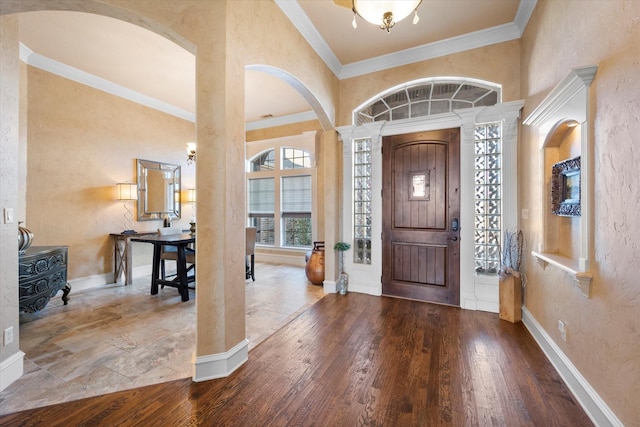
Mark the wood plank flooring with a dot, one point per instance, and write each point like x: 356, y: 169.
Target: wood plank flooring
x: 356, y: 360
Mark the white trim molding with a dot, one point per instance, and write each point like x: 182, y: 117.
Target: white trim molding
x: 220, y: 365
x: 63, y: 70
x: 591, y: 402
x: 568, y: 101
x: 11, y: 369
x: 477, y: 292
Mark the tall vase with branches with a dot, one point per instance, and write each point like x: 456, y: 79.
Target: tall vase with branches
x: 343, y: 278
x: 511, y: 277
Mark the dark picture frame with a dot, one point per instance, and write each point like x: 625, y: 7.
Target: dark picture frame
x: 565, y: 187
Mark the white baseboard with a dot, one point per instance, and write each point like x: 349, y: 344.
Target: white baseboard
x: 296, y: 260
x: 591, y: 402
x: 11, y: 369
x: 329, y: 287
x: 96, y: 280
x: 220, y: 365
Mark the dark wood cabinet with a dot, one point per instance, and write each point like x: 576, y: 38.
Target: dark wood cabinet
x: 42, y: 273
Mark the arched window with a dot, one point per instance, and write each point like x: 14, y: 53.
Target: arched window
x: 264, y: 162
x: 427, y: 97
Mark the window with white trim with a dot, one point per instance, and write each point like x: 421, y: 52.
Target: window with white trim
x: 280, y: 199
x: 427, y: 97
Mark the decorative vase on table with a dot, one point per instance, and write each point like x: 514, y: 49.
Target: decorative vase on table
x: 315, y: 265
x: 24, y: 238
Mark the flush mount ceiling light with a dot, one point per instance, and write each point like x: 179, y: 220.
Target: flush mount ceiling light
x: 385, y: 14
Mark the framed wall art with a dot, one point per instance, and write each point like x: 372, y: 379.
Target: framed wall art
x: 565, y: 187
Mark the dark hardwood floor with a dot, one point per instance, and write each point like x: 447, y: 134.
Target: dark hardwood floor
x: 356, y: 360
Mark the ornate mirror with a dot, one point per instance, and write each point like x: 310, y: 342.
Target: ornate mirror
x: 158, y: 190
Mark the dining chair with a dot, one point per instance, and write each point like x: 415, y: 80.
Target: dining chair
x: 170, y: 253
x: 250, y: 253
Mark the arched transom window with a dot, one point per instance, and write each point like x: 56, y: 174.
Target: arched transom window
x: 427, y: 97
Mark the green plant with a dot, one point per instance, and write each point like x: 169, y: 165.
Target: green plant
x: 341, y: 246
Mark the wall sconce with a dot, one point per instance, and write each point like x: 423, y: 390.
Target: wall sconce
x: 127, y: 192
x: 191, y: 152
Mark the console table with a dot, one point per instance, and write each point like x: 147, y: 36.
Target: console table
x: 122, y: 257
x: 42, y: 273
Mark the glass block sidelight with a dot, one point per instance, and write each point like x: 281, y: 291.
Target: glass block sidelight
x: 488, y: 190
x: 362, y: 201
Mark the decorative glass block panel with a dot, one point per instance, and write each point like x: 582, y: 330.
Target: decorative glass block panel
x: 487, y: 180
x: 362, y: 200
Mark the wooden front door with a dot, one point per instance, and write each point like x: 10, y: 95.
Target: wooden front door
x: 421, y: 216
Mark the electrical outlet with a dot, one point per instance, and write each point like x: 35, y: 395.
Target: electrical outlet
x: 525, y: 214
x: 563, y: 330
x: 8, y: 335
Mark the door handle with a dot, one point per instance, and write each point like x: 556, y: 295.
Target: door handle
x: 454, y: 238
x: 455, y: 224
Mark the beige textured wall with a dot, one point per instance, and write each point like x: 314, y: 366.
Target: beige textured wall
x: 82, y: 142
x: 497, y: 63
x: 603, y: 336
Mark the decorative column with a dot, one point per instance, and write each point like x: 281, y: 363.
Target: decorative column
x: 221, y: 345
x: 11, y: 358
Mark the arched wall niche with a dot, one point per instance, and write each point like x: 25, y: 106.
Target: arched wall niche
x: 563, y: 122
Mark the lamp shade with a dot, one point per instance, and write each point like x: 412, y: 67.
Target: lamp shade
x: 127, y: 191
x: 374, y: 11
x: 191, y: 195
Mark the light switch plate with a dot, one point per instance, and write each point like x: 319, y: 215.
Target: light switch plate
x: 8, y: 215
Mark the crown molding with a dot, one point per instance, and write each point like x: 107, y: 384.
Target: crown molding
x: 301, y: 21
x: 524, y: 14
x: 47, y: 64
x: 498, y: 34
x: 281, y: 121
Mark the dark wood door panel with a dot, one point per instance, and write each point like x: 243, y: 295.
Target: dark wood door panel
x: 420, y: 264
x: 421, y: 199
x: 411, y: 161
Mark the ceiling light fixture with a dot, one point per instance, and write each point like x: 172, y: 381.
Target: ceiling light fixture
x: 385, y: 14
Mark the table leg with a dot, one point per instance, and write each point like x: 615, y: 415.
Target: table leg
x: 128, y: 268
x: 118, y: 258
x: 65, y: 293
x: 155, y: 270
x: 182, y: 273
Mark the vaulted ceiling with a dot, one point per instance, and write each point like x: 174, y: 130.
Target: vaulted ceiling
x: 129, y: 61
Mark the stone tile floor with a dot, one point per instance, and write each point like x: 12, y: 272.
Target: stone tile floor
x: 116, y: 337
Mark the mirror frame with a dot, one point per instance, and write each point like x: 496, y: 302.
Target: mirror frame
x: 143, y: 166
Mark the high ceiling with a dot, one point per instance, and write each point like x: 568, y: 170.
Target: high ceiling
x: 129, y: 61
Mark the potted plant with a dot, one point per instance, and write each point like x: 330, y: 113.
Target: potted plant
x: 343, y: 278
x: 510, y: 276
